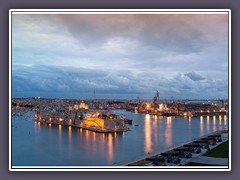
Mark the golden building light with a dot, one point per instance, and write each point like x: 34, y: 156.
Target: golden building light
x: 75, y: 107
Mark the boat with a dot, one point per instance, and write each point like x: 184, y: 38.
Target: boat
x: 128, y: 121
x: 169, y: 114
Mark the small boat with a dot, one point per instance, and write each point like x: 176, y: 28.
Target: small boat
x: 35, y: 118
x: 128, y: 121
x: 168, y: 114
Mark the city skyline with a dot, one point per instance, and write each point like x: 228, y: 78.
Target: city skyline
x: 120, y: 55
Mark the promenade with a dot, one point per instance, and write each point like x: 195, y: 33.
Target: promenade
x: 196, y: 158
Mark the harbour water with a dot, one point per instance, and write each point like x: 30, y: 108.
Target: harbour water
x: 36, y: 144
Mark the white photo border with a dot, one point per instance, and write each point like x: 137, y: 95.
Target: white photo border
x: 119, y: 11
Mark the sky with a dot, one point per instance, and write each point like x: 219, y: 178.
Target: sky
x: 120, y: 55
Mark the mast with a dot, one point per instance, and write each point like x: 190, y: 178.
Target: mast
x: 157, y: 97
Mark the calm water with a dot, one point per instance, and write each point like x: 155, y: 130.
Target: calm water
x: 37, y: 144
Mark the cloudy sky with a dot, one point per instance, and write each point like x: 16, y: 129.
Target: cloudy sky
x: 120, y: 55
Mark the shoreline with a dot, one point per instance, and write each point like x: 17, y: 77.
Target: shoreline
x: 140, y: 160
x: 83, y: 127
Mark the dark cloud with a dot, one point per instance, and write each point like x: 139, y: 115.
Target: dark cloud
x: 194, y: 76
x: 59, y: 79
x: 68, y: 81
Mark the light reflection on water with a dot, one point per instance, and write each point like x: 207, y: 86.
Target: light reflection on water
x: 110, y: 146
x: 214, y: 123
x: 66, y: 145
x: 148, y: 134
x: 60, y: 136
x: 70, y: 138
x: 225, y: 120
x: 69, y: 133
x: 168, y: 131
x: 155, y: 128
x: 189, y: 122
x: 201, y: 126
x: 208, y: 122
